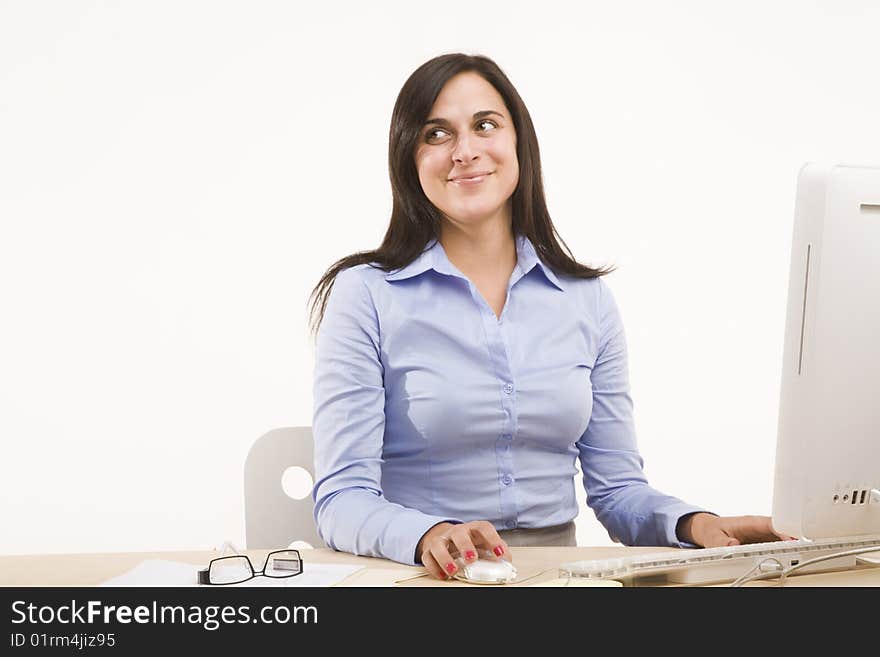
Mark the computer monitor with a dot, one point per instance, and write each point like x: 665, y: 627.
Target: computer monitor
x: 827, y: 468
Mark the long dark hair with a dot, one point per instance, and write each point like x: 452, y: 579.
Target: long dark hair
x: 414, y: 219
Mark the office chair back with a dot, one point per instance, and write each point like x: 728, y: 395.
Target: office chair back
x: 273, y: 519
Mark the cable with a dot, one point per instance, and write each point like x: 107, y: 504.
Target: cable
x: 758, y: 566
x: 406, y: 579
x: 517, y: 582
x: 785, y: 572
x: 863, y: 550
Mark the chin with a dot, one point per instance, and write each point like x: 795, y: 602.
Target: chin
x: 469, y: 219
x: 472, y: 214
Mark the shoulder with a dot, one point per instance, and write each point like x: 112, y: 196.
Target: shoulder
x: 595, y: 298
x: 359, y: 289
x: 593, y: 292
x: 351, y: 309
x: 358, y: 279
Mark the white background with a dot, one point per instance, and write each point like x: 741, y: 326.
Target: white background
x: 176, y: 176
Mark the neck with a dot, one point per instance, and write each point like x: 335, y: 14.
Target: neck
x: 481, y: 249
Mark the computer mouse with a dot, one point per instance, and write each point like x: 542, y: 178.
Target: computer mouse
x: 485, y: 571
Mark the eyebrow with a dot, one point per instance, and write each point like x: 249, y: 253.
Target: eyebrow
x: 477, y: 115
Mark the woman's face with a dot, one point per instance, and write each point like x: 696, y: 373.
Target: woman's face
x: 469, y: 131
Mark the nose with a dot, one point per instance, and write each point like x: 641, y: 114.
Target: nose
x: 464, y: 149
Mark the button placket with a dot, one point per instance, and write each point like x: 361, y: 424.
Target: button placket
x: 498, y: 356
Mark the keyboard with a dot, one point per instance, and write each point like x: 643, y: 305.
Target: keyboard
x: 720, y: 564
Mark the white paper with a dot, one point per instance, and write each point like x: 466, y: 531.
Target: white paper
x: 158, y: 572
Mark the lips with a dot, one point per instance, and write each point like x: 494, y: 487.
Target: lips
x: 472, y: 179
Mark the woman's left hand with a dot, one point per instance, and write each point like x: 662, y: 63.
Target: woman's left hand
x: 708, y: 530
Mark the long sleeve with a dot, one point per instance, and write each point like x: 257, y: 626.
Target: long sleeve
x: 633, y: 512
x: 348, y: 425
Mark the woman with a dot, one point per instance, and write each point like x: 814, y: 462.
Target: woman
x: 464, y: 365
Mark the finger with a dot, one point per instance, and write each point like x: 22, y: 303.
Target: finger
x: 434, y: 569
x: 439, y: 549
x: 764, y: 525
x: 782, y: 536
x: 771, y: 534
x: 758, y: 529
x: 497, y: 547
x: 465, y: 546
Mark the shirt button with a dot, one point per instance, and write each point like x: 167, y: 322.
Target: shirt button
x: 508, y: 388
x: 507, y: 480
x: 510, y: 524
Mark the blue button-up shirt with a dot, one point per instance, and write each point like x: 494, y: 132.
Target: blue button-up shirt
x: 429, y: 408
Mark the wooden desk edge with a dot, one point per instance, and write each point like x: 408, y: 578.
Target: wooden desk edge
x: 535, y: 564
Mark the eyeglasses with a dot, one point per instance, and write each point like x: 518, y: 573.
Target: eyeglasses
x: 238, y: 569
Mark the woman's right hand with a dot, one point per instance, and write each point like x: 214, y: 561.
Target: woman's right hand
x: 441, y: 544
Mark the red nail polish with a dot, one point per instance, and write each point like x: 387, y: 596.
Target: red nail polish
x: 470, y: 554
x: 450, y: 568
x: 498, y: 550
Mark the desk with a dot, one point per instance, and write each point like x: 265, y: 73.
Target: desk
x: 534, y: 564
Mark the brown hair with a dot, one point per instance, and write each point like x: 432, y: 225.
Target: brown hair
x: 415, y: 221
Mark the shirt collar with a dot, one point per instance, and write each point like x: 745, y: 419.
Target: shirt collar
x: 527, y: 258
x: 434, y: 257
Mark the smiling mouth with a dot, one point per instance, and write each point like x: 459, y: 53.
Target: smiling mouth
x: 475, y: 180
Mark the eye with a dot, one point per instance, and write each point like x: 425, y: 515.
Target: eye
x: 433, y: 131
x: 430, y: 134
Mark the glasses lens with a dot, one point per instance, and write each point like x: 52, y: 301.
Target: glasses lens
x: 285, y: 563
x: 230, y: 570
